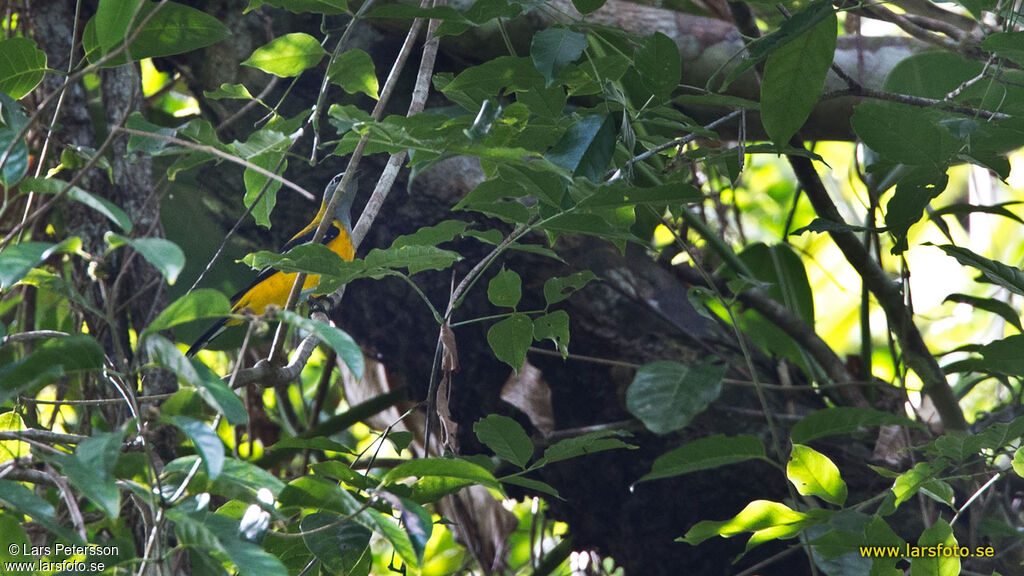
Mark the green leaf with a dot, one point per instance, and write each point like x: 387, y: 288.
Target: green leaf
x: 113, y: 19
x: 998, y: 307
x: 474, y: 85
x: 659, y: 64
x: 252, y: 560
x: 306, y: 258
x: 415, y: 259
x: 353, y: 71
x: 783, y: 271
x: 586, y: 147
x: 262, y: 202
x: 843, y: 420
x: 506, y: 438
x: 108, y: 209
x: 812, y: 473
x: 1018, y: 461
x: 12, y: 532
x: 819, y: 225
x: 665, y: 396
x: 705, y: 454
x: 439, y: 233
x: 505, y: 289
x: 914, y: 192
x: 206, y: 441
x: 903, y: 133
x: 1009, y: 45
x: 618, y: 194
x: 14, y: 496
x: 958, y: 446
x: 18, y: 260
x: 154, y: 144
x: 218, y: 532
x: 908, y: 483
x: 415, y: 519
x: 238, y: 480
x: 16, y: 164
x: 91, y: 470
x: 230, y: 91
x: 163, y: 254
x: 590, y: 443
x: 938, y: 534
x: 337, y: 544
x: 50, y: 360
x: 211, y: 388
x: 327, y: 7
x: 555, y: 327
x: 543, y: 184
x: 557, y: 289
x: 12, y: 449
x: 555, y: 48
x: 510, y: 338
x: 588, y: 6
x: 320, y: 443
x: 531, y: 484
x: 794, y: 76
x: 940, y: 491
x: 337, y: 339
x: 22, y: 66
x: 287, y: 55
x: 1004, y: 356
x: 333, y: 271
x: 197, y: 305
x: 758, y: 516
x: 56, y: 285
x: 318, y: 494
x: 443, y: 468
x: 996, y: 272
x: 173, y: 29
x: 997, y: 209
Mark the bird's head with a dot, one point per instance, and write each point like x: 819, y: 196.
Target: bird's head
x: 343, y: 212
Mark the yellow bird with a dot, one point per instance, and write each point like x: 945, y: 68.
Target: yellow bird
x: 271, y: 287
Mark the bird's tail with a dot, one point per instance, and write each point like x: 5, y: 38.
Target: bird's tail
x: 207, y: 336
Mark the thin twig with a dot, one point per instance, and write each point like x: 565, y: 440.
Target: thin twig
x: 918, y: 101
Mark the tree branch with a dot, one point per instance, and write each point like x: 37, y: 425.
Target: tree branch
x: 915, y: 352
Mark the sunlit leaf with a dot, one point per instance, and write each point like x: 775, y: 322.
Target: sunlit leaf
x: 811, y: 472
x: 195, y: 305
x: 287, y: 55
x: 353, y: 70
x: 22, y: 66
